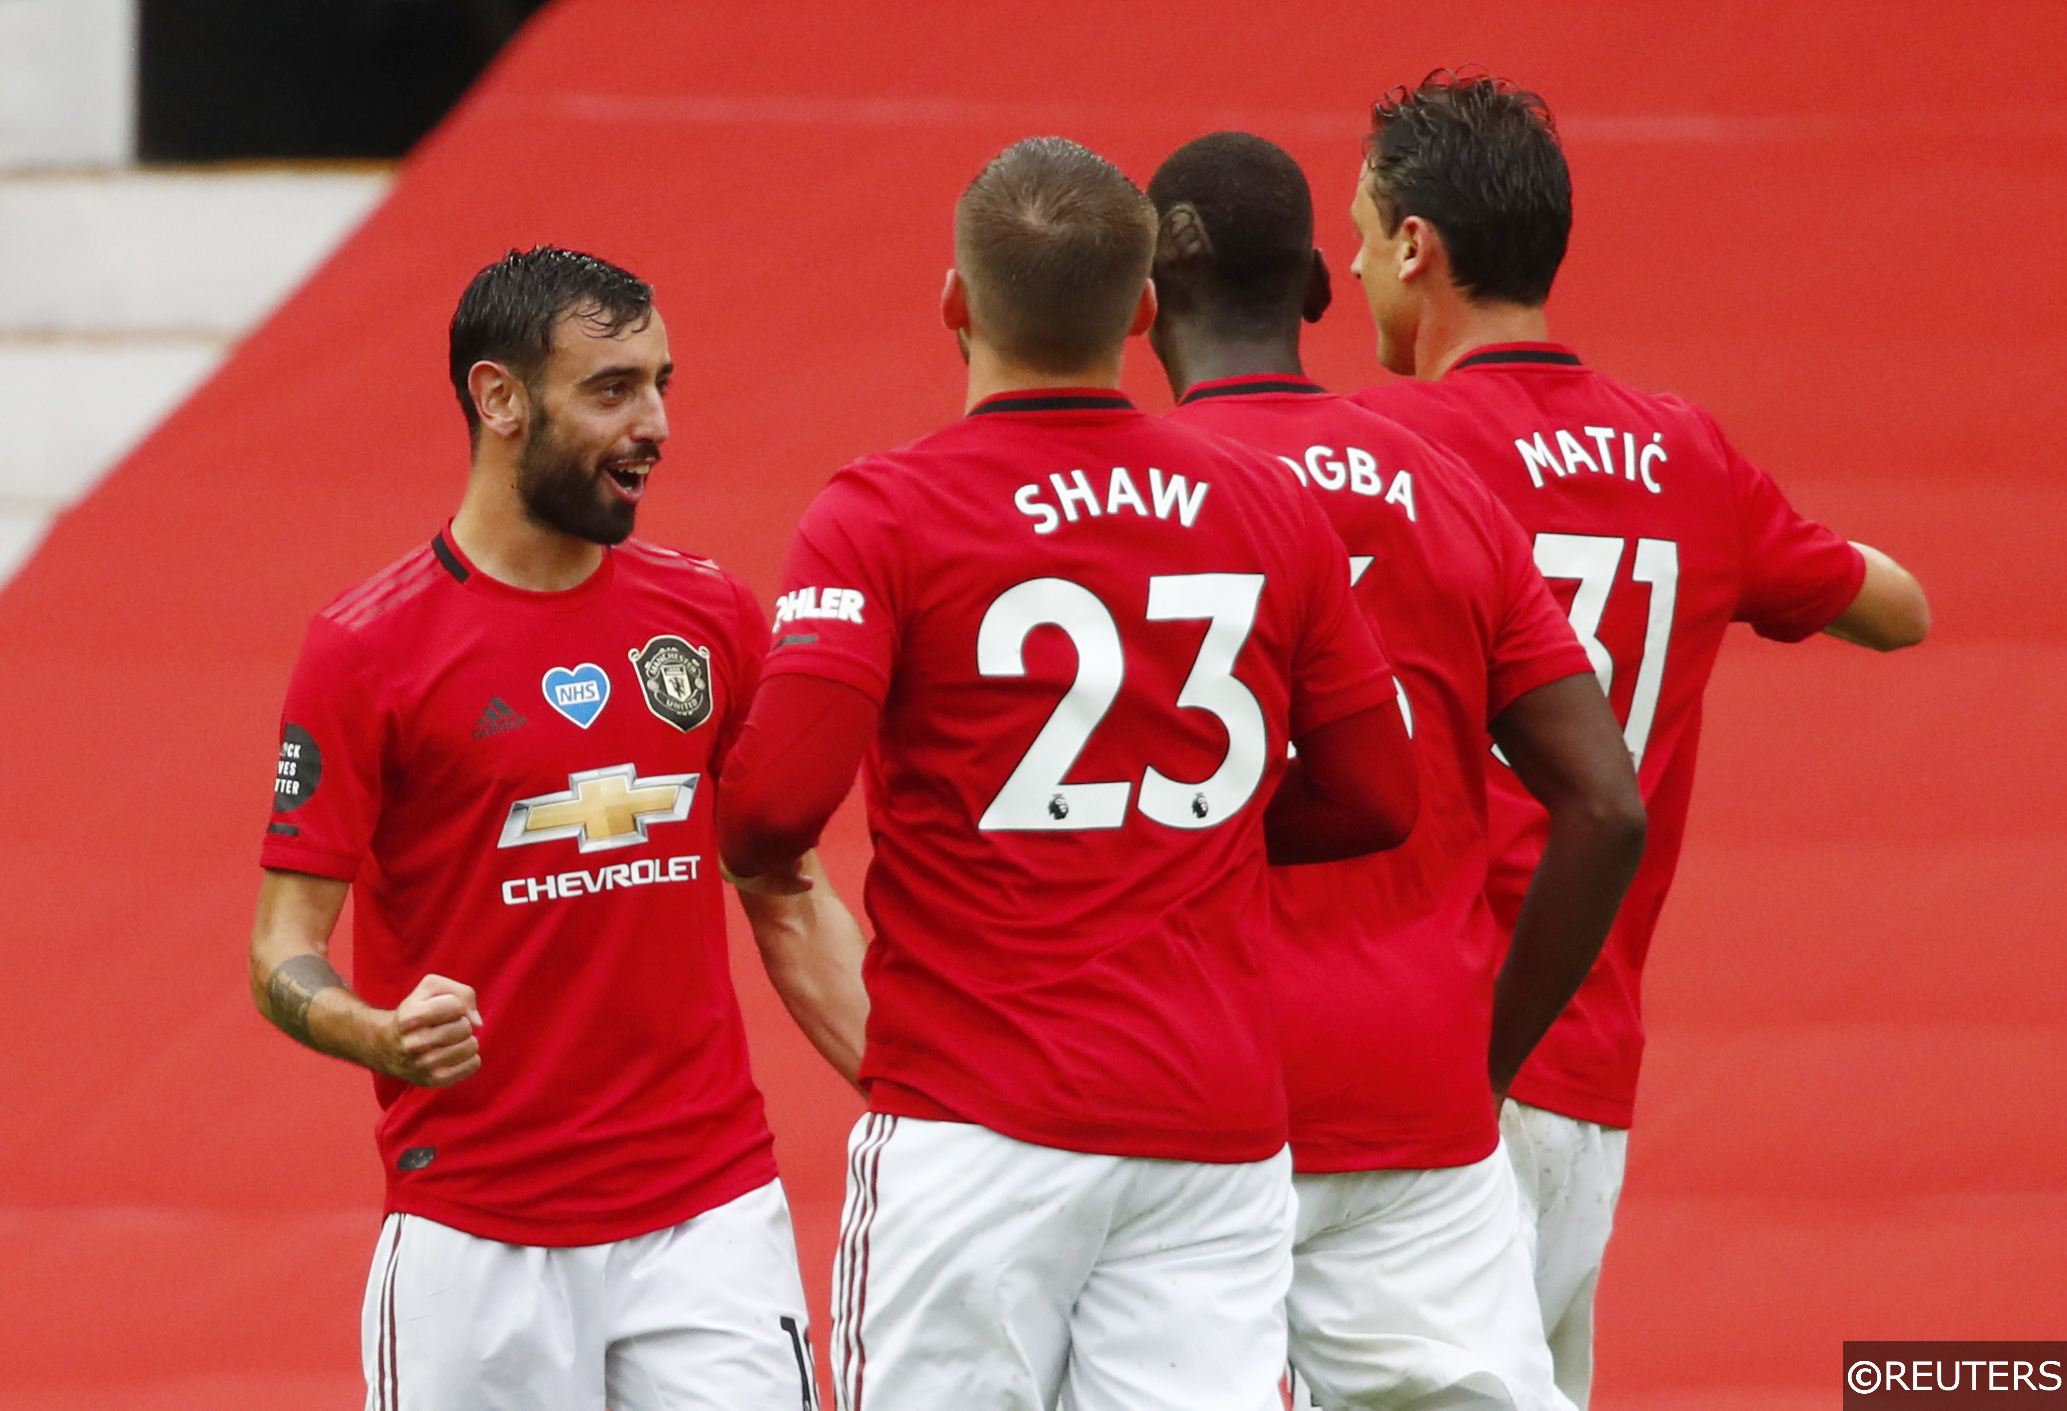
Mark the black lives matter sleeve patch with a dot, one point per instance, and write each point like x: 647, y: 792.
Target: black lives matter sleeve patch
x: 299, y: 771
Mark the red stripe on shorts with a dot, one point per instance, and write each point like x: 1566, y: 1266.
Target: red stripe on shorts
x: 861, y: 1289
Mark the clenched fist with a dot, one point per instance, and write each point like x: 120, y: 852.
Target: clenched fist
x: 431, y: 1036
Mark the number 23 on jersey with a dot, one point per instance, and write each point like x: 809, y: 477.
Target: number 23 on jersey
x: 1034, y: 798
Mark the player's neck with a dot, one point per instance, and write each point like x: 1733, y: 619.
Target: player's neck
x: 1453, y: 328
x: 991, y: 373
x: 1210, y: 358
x: 500, y: 540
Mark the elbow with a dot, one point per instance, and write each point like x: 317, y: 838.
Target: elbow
x: 1908, y: 624
x: 753, y: 840
x: 1607, y: 819
x: 1618, y: 820
x: 1386, y: 821
x: 1890, y: 611
x: 1399, y: 809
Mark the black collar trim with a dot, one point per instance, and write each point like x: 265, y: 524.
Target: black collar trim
x: 1242, y: 387
x: 1517, y: 355
x: 1053, y: 402
x: 459, y: 571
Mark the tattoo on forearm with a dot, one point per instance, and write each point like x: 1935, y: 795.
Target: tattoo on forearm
x: 295, y: 984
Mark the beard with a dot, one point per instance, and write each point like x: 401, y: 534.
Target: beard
x: 561, y: 490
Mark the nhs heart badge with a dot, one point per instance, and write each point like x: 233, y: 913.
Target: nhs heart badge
x: 580, y: 694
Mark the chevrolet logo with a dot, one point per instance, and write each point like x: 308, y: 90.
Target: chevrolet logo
x: 605, y: 808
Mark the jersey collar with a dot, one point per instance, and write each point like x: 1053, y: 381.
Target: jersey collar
x: 1253, y: 384
x: 454, y: 561
x: 1055, y: 399
x: 1517, y: 354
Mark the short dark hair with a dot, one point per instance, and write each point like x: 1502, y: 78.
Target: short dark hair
x: 1053, y: 243
x: 1257, y: 210
x: 508, y: 313
x: 1477, y: 158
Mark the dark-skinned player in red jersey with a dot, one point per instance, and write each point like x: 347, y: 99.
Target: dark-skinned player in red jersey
x: 1074, y: 642
x: 507, y: 743
x: 1412, y: 1277
x: 1652, y: 529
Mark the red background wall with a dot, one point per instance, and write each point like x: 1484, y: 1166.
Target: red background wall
x: 1837, y: 224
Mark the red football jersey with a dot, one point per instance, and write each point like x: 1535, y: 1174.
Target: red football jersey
x: 520, y: 786
x: 1385, y: 964
x: 1656, y: 535
x: 1091, y: 634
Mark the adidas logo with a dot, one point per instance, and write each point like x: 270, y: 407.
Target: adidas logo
x: 498, y: 719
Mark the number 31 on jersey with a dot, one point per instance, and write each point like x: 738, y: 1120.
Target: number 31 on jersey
x: 1593, y: 560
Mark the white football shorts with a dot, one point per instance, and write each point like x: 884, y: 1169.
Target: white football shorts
x: 707, y: 1315
x: 976, y: 1271
x: 1413, y: 1289
x: 1570, y: 1173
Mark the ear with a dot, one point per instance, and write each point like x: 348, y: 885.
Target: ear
x: 1145, y: 311
x: 500, y: 399
x: 1320, y: 290
x: 1418, y: 251
x: 954, y: 302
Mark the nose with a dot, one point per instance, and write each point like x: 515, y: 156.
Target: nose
x: 1356, y: 266
x: 652, y: 417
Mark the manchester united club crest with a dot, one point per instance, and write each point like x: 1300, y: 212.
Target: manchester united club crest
x: 676, y: 680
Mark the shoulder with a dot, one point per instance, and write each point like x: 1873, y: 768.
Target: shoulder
x: 1214, y: 450
x: 644, y: 557
x: 691, y: 577
x: 1402, y: 392
x: 1416, y: 406
x: 385, y: 605
x: 1662, y: 408
x: 1386, y: 433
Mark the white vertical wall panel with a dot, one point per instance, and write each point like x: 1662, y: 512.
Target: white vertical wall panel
x: 67, y: 82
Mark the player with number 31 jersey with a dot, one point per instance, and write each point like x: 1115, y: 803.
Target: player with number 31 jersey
x: 1654, y: 532
x: 1081, y: 640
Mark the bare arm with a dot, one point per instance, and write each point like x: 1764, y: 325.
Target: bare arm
x: 1568, y: 751
x: 812, y: 947
x: 1890, y: 611
x: 429, y: 1040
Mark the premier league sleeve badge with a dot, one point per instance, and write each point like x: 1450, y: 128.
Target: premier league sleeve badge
x: 675, y: 678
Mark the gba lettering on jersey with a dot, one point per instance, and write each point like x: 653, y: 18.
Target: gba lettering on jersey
x: 1357, y: 471
x: 820, y: 604
x: 1168, y: 494
x: 1570, y: 456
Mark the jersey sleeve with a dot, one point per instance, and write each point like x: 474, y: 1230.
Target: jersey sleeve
x: 327, y: 781
x: 1797, y: 575
x: 1533, y: 642
x: 749, y: 647
x: 837, y: 617
x: 1339, y: 666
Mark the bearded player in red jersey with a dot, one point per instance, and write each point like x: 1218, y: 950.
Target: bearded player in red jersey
x: 1079, y: 640
x: 1653, y: 531
x: 1412, y: 1281
x: 507, y: 742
